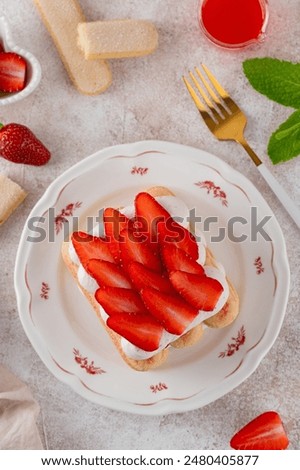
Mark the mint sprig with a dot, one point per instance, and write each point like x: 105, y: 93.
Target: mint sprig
x: 284, y: 143
x: 279, y: 80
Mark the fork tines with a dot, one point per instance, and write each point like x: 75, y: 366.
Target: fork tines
x: 215, y: 102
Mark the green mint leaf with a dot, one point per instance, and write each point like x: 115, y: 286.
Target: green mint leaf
x: 279, y: 80
x: 284, y: 143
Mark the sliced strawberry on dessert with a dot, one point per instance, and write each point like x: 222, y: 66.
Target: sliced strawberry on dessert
x: 89, y: 247
x: 201, y: 292
x: 108, y: 274
x: 170, y: 310
x: 117, y: 299
x: 141, y: 330
x: 161, y: 227
x: 1, y: 47
x: 265, y: 432
x: 143, y: 277
x: 114, y: 223
x: 176, y: 259
x: 171, y: 232
x: 12, y: 72
x: 149, y: 212
x: 133, y: 249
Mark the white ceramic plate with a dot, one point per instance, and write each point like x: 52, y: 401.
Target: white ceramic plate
x: 62, y: 326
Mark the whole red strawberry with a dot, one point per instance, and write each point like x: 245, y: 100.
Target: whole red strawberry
x: 19, y: 145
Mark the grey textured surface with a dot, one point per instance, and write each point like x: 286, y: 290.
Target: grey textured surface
x: 148, y: 101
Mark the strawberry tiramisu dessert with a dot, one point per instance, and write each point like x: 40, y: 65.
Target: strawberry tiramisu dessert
x: 152, y: 284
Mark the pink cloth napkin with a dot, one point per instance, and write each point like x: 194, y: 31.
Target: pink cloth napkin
x: 18, y: 413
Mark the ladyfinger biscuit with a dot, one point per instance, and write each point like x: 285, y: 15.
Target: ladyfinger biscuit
x: 11, y: 196
x: 61, y: 17
x: 231, y: 309
x: 117, y: 39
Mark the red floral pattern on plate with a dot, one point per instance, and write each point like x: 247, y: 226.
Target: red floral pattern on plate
x: 237, y: 342
x: 44, y: 294
x: 139, y: 170
x: 158, y: 388
x: 216, y: 191
x: 84, y: 363
x: 258, y: 265
x: 61, y: 218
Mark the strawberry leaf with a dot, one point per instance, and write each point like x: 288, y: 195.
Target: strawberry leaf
x: 284, y: 143
x: 279, y: 80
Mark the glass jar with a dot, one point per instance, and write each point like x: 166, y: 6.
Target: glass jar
x: 234, y: 23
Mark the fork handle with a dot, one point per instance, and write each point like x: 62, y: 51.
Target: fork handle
x: 277, y: 189
x: 241, y: 140
x: 281, y: 194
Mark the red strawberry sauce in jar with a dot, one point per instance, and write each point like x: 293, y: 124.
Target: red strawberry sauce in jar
x: 234, y: 23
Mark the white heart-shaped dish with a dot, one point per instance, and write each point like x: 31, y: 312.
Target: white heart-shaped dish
x: 33, y: 66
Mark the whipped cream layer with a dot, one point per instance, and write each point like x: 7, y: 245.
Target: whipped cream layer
x: 180, y: 212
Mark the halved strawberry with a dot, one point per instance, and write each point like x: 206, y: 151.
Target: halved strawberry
x: 161, y: 227
x: 12, y: 72
x: 201, y: 292
x: 89, y: 247
x: 171, y: 232
x: 114, y: 223
x: 141, y: 330
x: 132, y: 249
x: 117, y: 299
x: 265, y: 432
x: 149, y: 212
x: 142, y: 277
x: 170, y: 310
x: 176, y: 259
x: 108, y: 274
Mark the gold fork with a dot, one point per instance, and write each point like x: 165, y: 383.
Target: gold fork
x: 227, y: 122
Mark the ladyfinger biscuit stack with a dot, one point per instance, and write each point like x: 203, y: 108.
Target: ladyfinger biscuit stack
x: 82, y: 45
x: 61, y: 17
